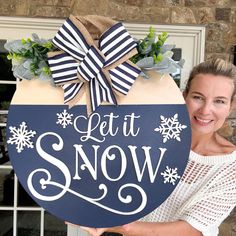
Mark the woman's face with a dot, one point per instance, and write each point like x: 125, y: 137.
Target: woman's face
x: 209, y: 102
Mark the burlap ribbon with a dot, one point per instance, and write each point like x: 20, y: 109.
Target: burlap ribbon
x: 94, y: 59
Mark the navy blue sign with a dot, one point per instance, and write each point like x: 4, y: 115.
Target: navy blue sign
x: 109, y: 169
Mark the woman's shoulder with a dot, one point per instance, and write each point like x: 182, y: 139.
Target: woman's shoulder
x: 224, y: 145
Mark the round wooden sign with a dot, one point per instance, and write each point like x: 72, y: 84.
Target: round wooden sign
x: 108, y: 169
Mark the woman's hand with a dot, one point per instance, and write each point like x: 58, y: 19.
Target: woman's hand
x: 124, y: 229
x: 94, y: 231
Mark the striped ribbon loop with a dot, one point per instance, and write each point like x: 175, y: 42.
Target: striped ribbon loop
x: 115, y: 43
x: 81, y: 61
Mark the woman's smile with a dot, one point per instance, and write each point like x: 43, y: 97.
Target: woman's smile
x: 202, y: 121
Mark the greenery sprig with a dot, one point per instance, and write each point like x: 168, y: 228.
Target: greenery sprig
x: 29, y: 57
x: 150, y: 47
x: 155, y: 54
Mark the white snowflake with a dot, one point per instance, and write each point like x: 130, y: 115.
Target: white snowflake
x: 170, y: 128
x: 64, y: 118
x: 21, y: 137
x: 170, y: 175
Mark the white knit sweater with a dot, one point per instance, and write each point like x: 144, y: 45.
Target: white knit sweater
x: 205, y: 195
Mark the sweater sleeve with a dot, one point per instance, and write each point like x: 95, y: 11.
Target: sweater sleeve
x: 207, y: 208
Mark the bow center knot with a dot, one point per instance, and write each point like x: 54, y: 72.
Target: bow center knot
x: 91, y: 64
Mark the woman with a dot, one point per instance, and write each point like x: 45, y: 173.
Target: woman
x: 206, y: 193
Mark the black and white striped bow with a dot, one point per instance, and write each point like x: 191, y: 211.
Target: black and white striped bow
x: 100, y: 70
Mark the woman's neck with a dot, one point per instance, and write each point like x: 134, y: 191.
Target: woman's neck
x: 202, y: 143
x: 211, y: 144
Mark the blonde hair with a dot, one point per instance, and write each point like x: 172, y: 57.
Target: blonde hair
x: 215, y: 66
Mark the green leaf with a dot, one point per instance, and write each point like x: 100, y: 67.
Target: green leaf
x: 152, y: 32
